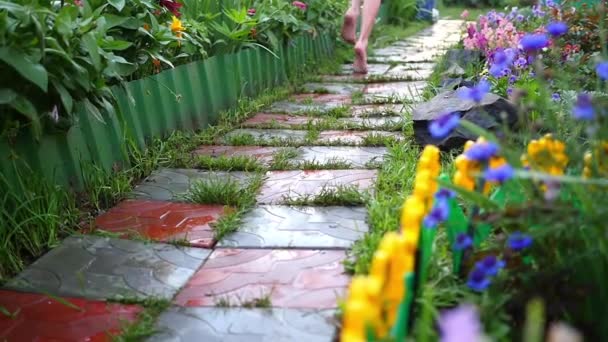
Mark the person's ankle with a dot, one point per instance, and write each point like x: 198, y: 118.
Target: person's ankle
x: 353, y: 11
x: 361, y: 43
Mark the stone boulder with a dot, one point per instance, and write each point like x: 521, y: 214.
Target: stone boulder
x: 491, y: 114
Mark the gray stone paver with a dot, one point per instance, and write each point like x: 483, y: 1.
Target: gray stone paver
x: 245, y: 325
x: 173, y: 184
x: 334, y: 88
x: 299, y: 227
x: 357, y: 157
x: 102, y: 268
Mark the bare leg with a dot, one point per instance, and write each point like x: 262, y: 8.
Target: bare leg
x: 349, y: 27
x: 370, y: 11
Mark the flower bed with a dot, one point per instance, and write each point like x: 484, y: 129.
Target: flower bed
x: 513, y: 244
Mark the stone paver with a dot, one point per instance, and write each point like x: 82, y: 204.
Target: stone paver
x: 377, y: 110
x: 354, y: 137
x: 40, y: 318
x: 236, y: 324
x: 405, y: 72
x: 399, y: 89
x: 102, y: 268
x: 372, y: 69
x: 264, y: 155
x: 268, y: 135
x: 277, y: 120
x: 172, y: 184
x: 304, y: 103
x: 334, y: 88
x: 299, y: 227
x: 290, y: 278
x: 357, y: 157
x: 164, y: 221
x: 281, y: 185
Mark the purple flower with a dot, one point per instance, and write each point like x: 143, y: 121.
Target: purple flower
x: 583, y: 109
x: 520, y: 17
x: 602, y: 70
x: 557, y: 28
x: 444, y: 194
x: 251, y: 12
x: 478, y: 280
x: 463, y: 241
x: 534, y: 42
x: 499, y: 174
x: 477, y: 93
x: 438, y: 214
x: 512, y: 79
x: 521, y: 62
x: 460, y: 325
x: 490, y: 265
x: 482, y: 151
x: 556, y: 97
x: 518, y: 241
x: 510, y: 91
x: 443, y: 125
x: 537, y: 11
x: 502, y: 61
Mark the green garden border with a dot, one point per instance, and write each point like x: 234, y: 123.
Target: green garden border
x: 188, y: 97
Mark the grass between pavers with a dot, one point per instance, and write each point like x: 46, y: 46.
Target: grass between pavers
x: 370, y: 140
x: 229, y: 192
x: 332, y: 123
x: 145, y: 325
x: 262, y: 302
x: 345, y: 195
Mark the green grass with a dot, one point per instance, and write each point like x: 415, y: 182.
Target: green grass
x: 454, y: 12
x: 345, y: 195
x: 263, y: 302
x: 385, y: 35
x: 332, y: 164
x: 145, y: 325
x: 379, y: 140
x: 224, y: 190
x: 281, y: 160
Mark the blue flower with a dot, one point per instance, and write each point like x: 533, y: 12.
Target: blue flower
x: 537, y: 11
x: 521, y: 62
x: 463, y: 241
x: 443, y: 125
x: 520, y: 17
x: 602, y: 70
x: 557, y: 28
x: 490, y: 265
x: 510, y: 91
x: 444, y: 194
x: 518, y: 241
x: 499, y: 174
x: 534, y: 42
x: 583, y: 109
x: 556, y: 97
x: 478, y: 280
x: 482, y: 151
x: 438, y: 214
x: 512, y: 79
x: 477, y: 93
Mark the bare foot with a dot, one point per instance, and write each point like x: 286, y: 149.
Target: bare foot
x: 360, y: 65
x: 349, y: 27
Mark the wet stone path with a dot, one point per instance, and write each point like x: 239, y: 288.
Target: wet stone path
x: 280, y: 276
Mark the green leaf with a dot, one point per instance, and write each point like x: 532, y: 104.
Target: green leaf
x: 91, y: 109
x: 114, y: 20
x: 27, y: 109
x: 118, y: 4
x: 65, y: 96
x: 64, y: 22
x: 115, y: 45
x: 90, y: 45
x: 33, y: 72
x: 472, y: 196
x: 7, y: 96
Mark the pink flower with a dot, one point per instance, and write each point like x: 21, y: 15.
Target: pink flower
x: 251, y: 12
x: 460, y: 324
x: 464, y: 14
x: 300, y: 5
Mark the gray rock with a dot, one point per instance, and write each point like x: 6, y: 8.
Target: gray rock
x: 462, y: 57
x: 490, y: 115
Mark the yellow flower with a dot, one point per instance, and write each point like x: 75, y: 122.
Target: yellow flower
x: 546, y: 155
x: 176, y: 25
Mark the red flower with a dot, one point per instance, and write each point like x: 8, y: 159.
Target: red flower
x: 300, y: 5
x: 172, y: 5
x: 78, y: 3
x: 251, y: 12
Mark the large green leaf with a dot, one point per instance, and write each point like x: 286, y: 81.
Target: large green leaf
x: 474, y: 197
x: 115, y: 45
x: 33, y: 72
x: 90, y: 44
x: 27, y: 109
x: 65, y: 96
x: 91, y: 109
x: 64, y: 22
x: 118, y: 4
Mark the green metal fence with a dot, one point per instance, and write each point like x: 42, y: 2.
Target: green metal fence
x: 191, y: 96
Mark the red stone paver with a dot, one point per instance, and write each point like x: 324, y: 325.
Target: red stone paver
x: 280, y: 185
x: 261, y: 153
x: 291, y: 278
x: 36, y: 317
x: 282, y: 120
x: 353, y: 137
x: 323, y: 98
x: 164, y: 221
